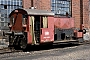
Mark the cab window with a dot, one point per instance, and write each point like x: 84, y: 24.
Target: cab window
x: 24, y: 20
x: 44, y: 22
x: 12, y: 20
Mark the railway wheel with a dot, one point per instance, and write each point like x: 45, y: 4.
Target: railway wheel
x: 11, y: 41
x: 23, y: 43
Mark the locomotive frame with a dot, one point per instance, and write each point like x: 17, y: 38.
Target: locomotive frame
x: 35, y: 27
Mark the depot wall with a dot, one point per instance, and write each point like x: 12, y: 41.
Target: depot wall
x: 38, y: 4
x: 80, y: 9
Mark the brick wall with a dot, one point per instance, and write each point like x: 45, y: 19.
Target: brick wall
x: 42, y: 4
x: 26, y: 4
x: 86, y: 13
x: 80, y: 12
x: 89, y: 13
x: 38, y: 4
x: 76, y: 12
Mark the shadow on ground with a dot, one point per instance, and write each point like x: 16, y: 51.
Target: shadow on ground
x: 47, y: 47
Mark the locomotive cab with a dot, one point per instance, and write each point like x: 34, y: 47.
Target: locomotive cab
x: 30, y: 26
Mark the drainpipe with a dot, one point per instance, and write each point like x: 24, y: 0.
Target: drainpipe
x: 89, y: 20
x: 81, y: 15
x: 32, y: 5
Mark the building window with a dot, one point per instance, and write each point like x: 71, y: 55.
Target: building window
x: 24, y: 20
x: 2, y: 23
x: 6, y: 6
x: 61, y: 7
x: 2, y: 20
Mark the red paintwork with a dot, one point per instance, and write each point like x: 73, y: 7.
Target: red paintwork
x: 43, y: 37
x: 28, y: 24
x: 18, y: 25
x: 64, y: 23
x: 18, y: 20
x: 78, y: 34
x: 29, y: 36
x: 47, y: 34
x: 51, y: 22
x: 81, y: 27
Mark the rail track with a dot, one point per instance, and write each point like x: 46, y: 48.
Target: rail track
x: 9, y: 50
x: 37, y: 48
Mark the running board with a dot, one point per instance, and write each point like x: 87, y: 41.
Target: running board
x: 65, y: 41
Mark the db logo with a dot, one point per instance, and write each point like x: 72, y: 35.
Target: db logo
x: 46, y: 33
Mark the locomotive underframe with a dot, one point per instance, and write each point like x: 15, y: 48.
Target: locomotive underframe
x: 68, y: 35
x: 17, y: 39
x: 63, y: 34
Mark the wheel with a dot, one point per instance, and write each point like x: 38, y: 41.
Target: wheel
x: 23, y: 43
x: 11, y: 41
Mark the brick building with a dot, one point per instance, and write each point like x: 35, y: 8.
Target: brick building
x: 38, y: 4
x: 79, y: 9
x: 6, y: 6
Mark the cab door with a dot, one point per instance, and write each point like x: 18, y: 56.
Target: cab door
x: 47, y: 29
x: 35, y: 29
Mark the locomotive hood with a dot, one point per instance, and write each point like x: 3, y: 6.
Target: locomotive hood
x: 33, y: 12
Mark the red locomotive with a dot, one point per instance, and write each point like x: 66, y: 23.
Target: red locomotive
x: 35, y: 27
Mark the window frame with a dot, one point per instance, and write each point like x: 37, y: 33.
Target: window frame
x: 60, y: 7
x: 42, y: 22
